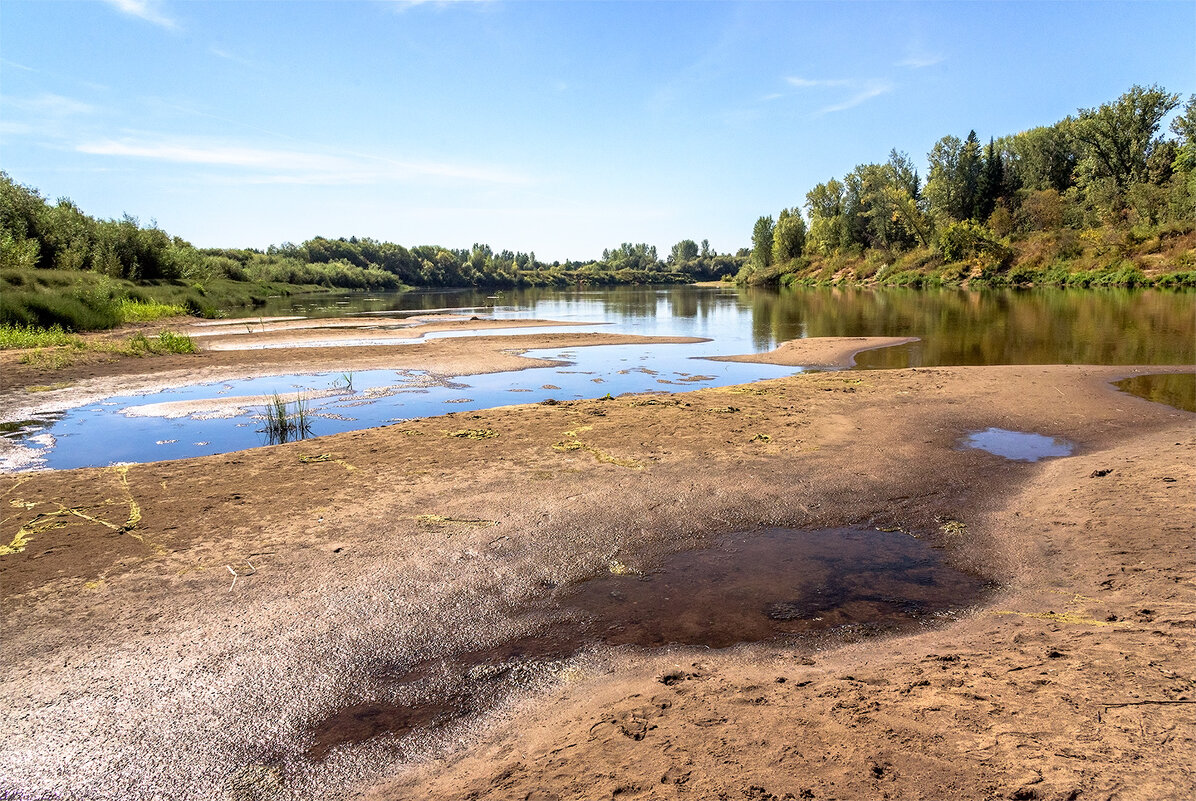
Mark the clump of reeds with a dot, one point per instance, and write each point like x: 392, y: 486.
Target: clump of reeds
x: 285, y: 421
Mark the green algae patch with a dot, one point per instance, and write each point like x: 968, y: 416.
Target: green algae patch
x: 326, y: 457
x: 440, y: 521
x: 473, y: 433
x: 59, y: 518
x: 577, y: 445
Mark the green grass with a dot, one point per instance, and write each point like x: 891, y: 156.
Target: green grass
x: 284, y: 423
x: 85, y: 301
x: 170, y: 342
x: 55, y: 354
x: 26, y: 336
x: 137, y: 311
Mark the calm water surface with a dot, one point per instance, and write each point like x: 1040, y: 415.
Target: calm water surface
x: 954, y: 327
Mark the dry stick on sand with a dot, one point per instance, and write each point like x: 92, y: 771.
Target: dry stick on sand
x: 237, y: 575
x: 1107, y: 707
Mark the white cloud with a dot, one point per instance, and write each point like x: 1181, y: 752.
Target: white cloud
x: 806, y: 83
x: 148, y: 10
x: 863, y: 95
x: 48, y: 104
x: 14, y: 64
x: 863, y: 91
x: 921, y: 60
x: 403, y: 5
x: 290, y: 166
x: 222, y: 53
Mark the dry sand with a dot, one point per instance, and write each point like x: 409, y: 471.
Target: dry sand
x: 135, y: 667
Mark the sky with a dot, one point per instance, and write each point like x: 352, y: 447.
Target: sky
x: 561, y: 128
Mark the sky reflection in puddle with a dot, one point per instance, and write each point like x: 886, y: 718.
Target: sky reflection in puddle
x: 1018, y: 446
x: 122, y: 429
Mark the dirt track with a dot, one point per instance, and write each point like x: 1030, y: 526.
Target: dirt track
x: 132, y: 669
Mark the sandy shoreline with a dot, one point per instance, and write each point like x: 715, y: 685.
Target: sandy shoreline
x: 818, y: 351
x: 359, y: 555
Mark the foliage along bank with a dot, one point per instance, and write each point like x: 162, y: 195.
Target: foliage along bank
x: 1101, y: 198
x: 60, y: 266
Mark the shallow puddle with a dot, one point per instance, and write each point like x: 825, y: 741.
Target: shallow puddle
x: 1018, y: 446
x: 1173, y: 389
x: 220, y: 417
x: 775, y: 584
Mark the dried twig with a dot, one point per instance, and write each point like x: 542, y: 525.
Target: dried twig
x: 1152, y: 702
x: 237, y: 575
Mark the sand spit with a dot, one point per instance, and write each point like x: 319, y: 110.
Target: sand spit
x: 832, y: 352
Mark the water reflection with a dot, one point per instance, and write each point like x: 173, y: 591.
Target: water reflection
x: 955, y: 326
x: 1172, y: 389
x: 1018, y: 446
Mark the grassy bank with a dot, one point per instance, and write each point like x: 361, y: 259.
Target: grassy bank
x: 79, y: 300
x: 54, y: 348
x: 1163, y: 257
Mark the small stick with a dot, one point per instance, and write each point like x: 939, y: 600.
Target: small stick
x: 1157, y: 702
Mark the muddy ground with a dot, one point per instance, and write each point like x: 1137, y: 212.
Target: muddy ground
x: 248, y: 626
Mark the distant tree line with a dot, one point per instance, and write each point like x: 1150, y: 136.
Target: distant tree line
x: 1107, y: 168
x: 38, y: 235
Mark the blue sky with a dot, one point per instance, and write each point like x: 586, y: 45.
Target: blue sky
x: 560, y: 128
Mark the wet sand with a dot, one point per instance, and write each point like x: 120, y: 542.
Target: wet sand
x: 186, y: 628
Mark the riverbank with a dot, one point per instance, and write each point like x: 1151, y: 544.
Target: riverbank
x: 211, y: 613
x: 1161, y: 257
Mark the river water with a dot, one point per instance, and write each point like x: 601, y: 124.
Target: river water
x: 954, y: 326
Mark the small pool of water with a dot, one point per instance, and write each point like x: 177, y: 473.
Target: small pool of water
x: 1173, y: 389
x: 774, y: 584
x: 1018, y: 446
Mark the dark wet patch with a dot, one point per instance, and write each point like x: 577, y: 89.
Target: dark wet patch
x: 752, y: 587
x: 361, y: 722
x: 768, y: 585
x: 1173, y: 389
x: 1018, y: 446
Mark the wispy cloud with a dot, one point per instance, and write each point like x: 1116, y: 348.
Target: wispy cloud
x: 861, y: 91
x: 402, y: 5
x: 921, y: 60
x: 227, y: 56
x: 15, y: 65
x: 862, y: 96
x: 808, y: 83
x: 293, y: 166
x: 148, y: 10
x: 49, y: 105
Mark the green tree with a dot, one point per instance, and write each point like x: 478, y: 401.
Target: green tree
x: 971, y: 169
x: 943, y: 184
x: 683, y: 252
x: 1043, y: 157
x: 789, y: 236
x: 1119, y: 137
x: 762, y: 242
x: 992, y: 182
